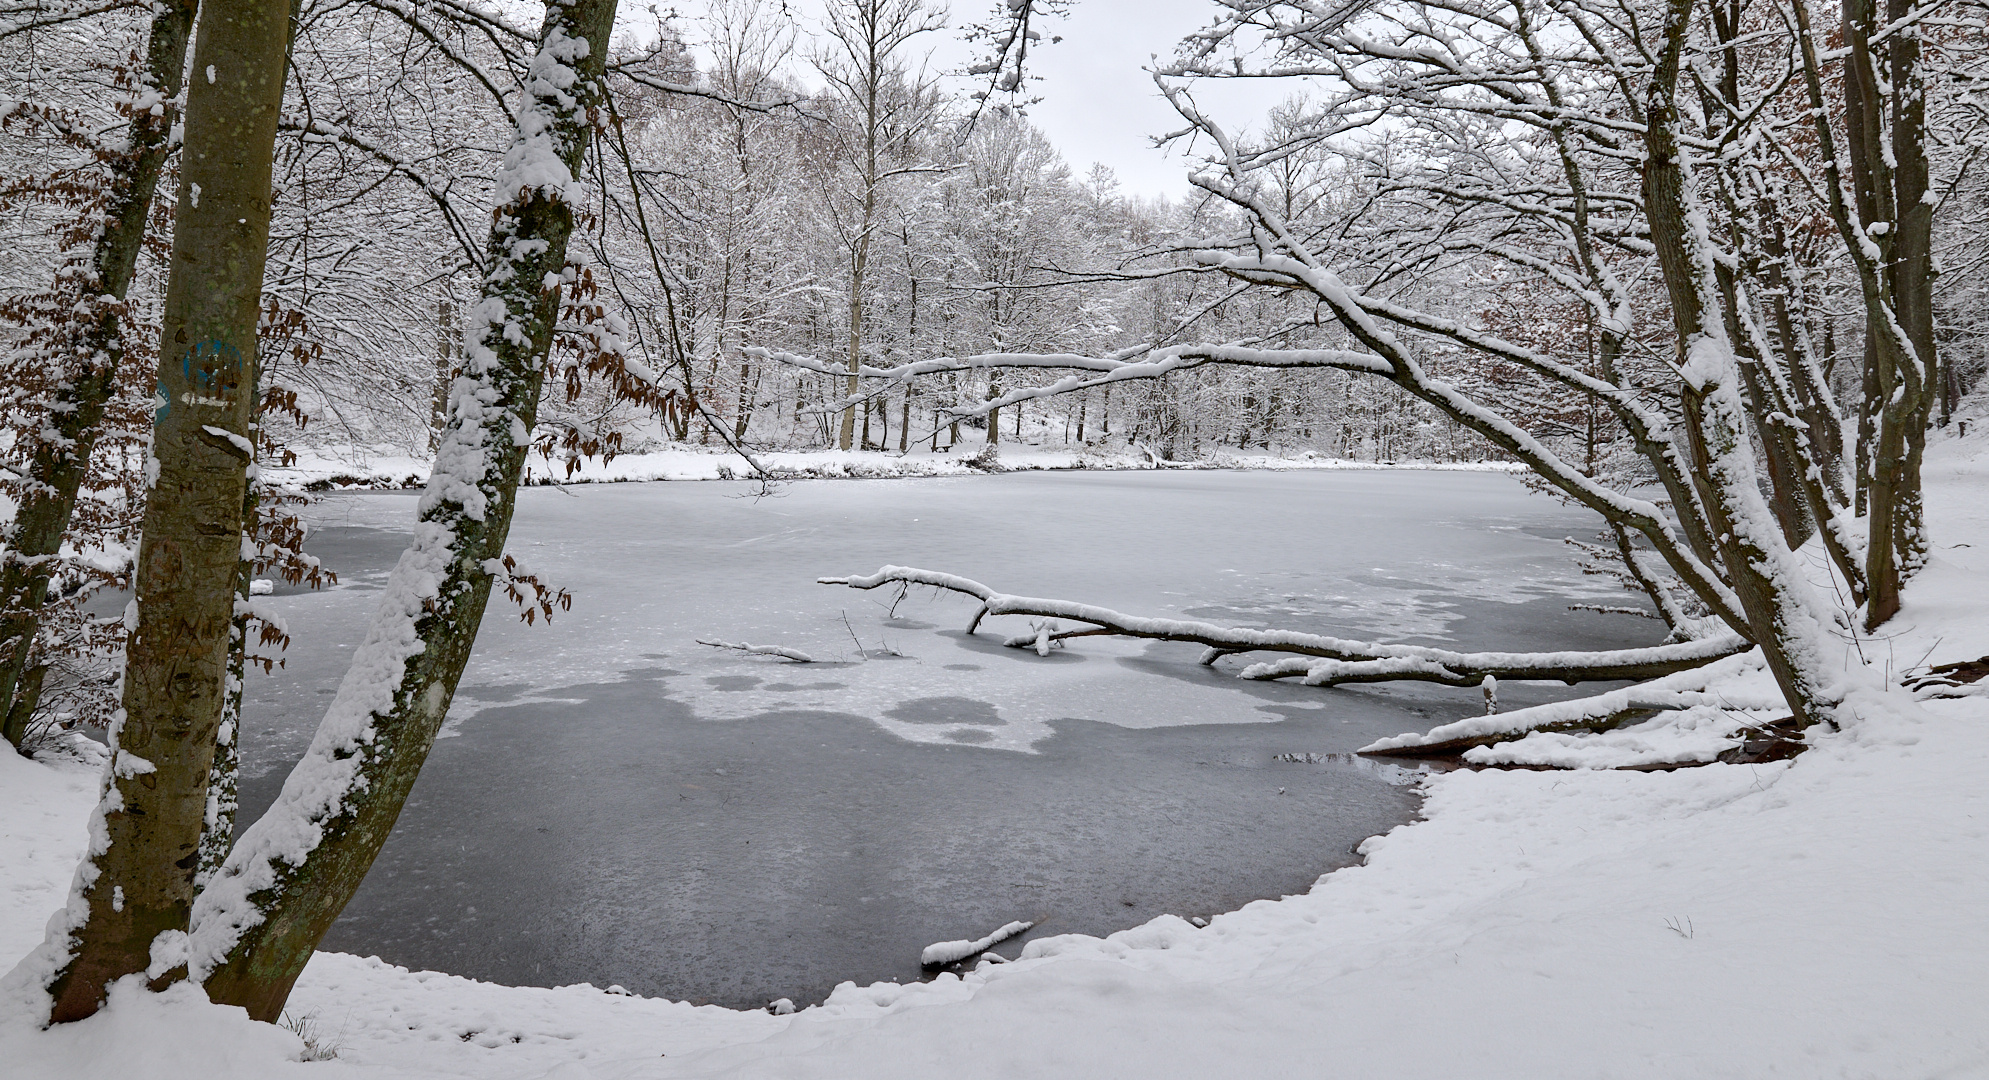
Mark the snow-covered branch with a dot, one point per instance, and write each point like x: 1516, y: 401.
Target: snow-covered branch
x: 1335, y: 660
x: 1683, y: 690
x: 940, y: 954
x: 783, y: 652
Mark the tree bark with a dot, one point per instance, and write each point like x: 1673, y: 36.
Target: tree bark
x: 1762, y: 572
x: 95, y: 355
x: 1886, y: 227
x: 257, y: 923
x: 224, y: 775
x: 137, y: 882
x: 1911, y: 270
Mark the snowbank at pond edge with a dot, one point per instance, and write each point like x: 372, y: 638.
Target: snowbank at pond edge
x: 1822, y: 917
x: 360, y: 467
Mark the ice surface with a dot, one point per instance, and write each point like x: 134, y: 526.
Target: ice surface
x: 837, y: 816
x: 1462, y: 560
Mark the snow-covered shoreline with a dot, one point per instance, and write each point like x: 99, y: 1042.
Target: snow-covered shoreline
x: 381, y: 468
x: 1822, y: 917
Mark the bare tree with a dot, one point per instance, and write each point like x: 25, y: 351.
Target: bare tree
x: 1546, y: 144
x: 886, y: 107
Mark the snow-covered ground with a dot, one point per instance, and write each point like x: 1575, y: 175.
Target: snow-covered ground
x: 389, y: 467
x: 1822, y: 918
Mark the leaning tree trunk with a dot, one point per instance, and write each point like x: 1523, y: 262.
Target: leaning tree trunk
x: 94, y: 354
x: 293, y: 871
x: 1765, y: 576
x: 135, y: 887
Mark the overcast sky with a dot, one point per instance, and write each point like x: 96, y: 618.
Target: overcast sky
x: 1098, y: 104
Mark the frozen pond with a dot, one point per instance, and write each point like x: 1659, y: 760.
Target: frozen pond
x: 614, y: 803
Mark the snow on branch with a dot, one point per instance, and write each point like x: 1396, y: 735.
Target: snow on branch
x: 783, y: 652
x: 943, y: 953
x: 634, y: 71
x: 1337, y: 660
x: 1683, y: 690
x: 436, y: 188
x: 1102, y: 370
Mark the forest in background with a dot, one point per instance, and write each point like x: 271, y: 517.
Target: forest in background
x: 980, y: 237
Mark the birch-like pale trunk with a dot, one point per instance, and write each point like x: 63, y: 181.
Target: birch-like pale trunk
x: 61, y: 454
x: 134, y: 891
x: 257, y: 923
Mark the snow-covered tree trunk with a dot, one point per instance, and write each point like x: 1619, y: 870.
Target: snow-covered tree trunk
x: 91, y: 355
x: 257, y: 923
x: 1764, y: 574
x: 1882, y: 211
x: 135, y: 889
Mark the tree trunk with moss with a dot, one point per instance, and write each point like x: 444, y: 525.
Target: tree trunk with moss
x: 294, y: 870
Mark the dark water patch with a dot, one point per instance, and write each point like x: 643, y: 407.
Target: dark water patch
x: 775, y: 856
x: 945, y: 710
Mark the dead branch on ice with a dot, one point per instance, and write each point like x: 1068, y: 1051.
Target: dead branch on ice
x: 795, y: 655
x: 1336, y: 660
x: 943, y: 953
x: 1684, y: 690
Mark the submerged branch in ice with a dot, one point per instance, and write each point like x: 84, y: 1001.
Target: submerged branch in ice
x: 795, y: 655
x: 1337, y: 660
x: 950, y: 952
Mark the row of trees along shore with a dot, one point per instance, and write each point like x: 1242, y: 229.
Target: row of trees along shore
x: 1708, y: 267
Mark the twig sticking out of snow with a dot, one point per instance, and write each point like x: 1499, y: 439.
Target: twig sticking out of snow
x: 952, y: 952
x: 795, y: 655
x: 1338, y: 659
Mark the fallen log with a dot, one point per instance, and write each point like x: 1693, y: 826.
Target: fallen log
x: 1963, y: 678
x: 1347, y: 660
x: 1682, y: 690
x: 942, y: 953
